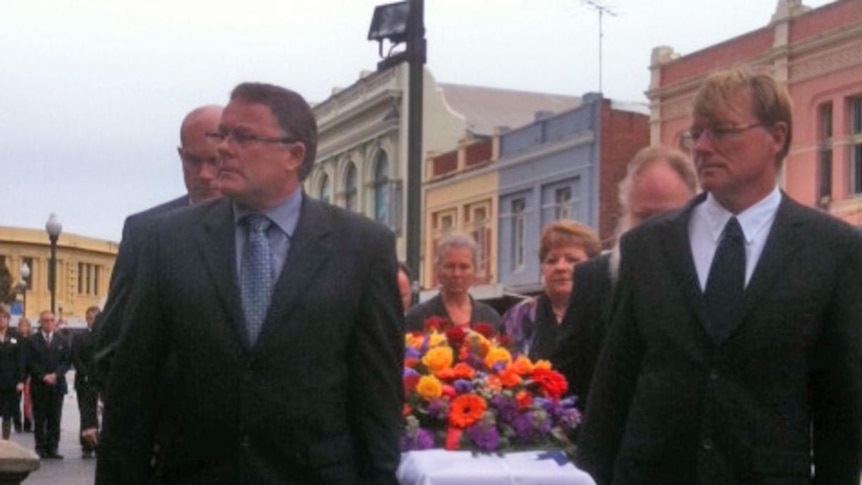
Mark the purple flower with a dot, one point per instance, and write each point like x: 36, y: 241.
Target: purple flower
x: 531, y: 426
x: 506, y: 408
x: 418, y: 439
x: 463, y: 385
x: 412, y: 353
x: 408, y: 372
x: 438, y: 409
x: 484, y: 436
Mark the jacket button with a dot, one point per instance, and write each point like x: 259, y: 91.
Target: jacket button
x: 713, y: 375
x: 706, y: 444
x: 245, y: 442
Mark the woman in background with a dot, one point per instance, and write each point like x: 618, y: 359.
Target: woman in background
x: 24, y: 330
x: 533, y: 325
x: 455, y: 266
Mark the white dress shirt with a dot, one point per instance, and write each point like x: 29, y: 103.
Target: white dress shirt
x: 707, y: 223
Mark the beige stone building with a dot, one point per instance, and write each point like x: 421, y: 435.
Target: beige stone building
x: 84, y: 266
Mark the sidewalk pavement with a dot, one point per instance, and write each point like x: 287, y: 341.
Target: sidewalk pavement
x: 73, y: 470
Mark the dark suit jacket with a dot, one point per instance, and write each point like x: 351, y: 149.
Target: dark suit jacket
x: 316, y: 400
x: 42, y: 360
x: 11, y: 362
x: 670, y: 405
x: 108, y: 324
x: 585, y: 325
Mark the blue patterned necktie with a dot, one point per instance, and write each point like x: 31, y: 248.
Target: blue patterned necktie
x: 725, y: 285
x: 257, y: 277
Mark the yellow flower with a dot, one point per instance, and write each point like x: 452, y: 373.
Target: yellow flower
x: 497, y: 354
x: 437, y: 359
x: 542, y: 364
x: 429, y: 387
x: 522, y: 365
x: 436, y: 339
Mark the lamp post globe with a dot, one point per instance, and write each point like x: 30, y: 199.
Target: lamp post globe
x: 25, y: 281
x: 54, y: 228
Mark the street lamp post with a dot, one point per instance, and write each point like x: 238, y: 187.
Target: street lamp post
x: 405, y: 22
x: 54, y: 228
x: 25, y: 282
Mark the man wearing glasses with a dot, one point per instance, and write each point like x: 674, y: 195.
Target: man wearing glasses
x: 734, y: 353
x: 283, y: 315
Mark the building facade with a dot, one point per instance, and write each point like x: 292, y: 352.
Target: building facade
x: 84, y: 268
x: 460, y: 193
x: 361, y: 160
x: 818, y: 54
x: 564, y: 166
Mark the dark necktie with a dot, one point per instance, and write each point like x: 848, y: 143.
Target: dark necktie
x: 256, y: 278
x: 725, y: 285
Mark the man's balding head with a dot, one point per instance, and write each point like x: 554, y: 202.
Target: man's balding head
x: 198, y: 154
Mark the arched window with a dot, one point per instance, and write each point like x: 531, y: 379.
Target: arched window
x: 350, y: 193
x: 324, y: 191
x: 381, y: 188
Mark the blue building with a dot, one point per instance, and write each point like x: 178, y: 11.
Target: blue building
x: 562, y: 166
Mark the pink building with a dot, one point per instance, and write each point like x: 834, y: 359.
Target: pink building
x: 818, y: 53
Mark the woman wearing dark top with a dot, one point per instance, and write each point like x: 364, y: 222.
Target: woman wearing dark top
x: 533, y: 325
x: 11, y: 372
x: 455, y: 264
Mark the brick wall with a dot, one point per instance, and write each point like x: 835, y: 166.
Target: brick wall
x: 623, y: 133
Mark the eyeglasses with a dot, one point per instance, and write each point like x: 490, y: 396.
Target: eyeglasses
x: 716, y: 134
x: 245, y: 139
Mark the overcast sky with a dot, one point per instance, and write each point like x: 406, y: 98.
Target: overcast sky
x: 92, y: 91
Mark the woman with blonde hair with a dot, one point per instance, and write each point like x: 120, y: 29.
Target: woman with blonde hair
x: 533, y: 325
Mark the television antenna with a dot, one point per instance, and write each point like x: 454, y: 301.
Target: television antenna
x: 602, y: 10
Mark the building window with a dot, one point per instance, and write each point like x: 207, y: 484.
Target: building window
x: 96, y: 271
x: 381, y: 188
x: 479, y: 227
x: 81, y: 283
x: 324, y: 191
x: 350, y: 194
x: 824, y: 157
x: 856, y: 146
x: 88, y: 279
x: 3, y: 261
x: 518, y: 235
x: 563, y: 203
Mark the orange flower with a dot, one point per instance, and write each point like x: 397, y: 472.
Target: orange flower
x: 437, y: 359
x: 429, y: 387
x: 523, y: 399
x: 542, y: 364
x: 465, y: 410
x: 463, y: 371
x: 509, y: 378
x: 493, y: 382
x: 522, y: 365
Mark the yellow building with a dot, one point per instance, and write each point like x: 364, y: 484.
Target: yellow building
x: 84, y: 266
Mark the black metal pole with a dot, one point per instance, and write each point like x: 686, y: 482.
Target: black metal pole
x: 416, y: 60
x: 24, y: 303
x: 52, y: 277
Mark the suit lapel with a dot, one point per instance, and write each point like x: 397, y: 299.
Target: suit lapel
x: 217, y: 247
x: 310, y: 247
x: 678, y: 257
x: 783, y: 240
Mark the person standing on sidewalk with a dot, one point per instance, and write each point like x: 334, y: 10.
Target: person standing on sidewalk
x: 88, y: 396
x: 11, y: 372
x: 49, y: 358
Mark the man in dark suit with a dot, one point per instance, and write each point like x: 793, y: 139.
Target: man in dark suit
x: 283, y: 315
x: 658, y: 179
x: 86, y: 392
x: 48, y: 359
x: 199, y: 159
x: 734, y: 353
